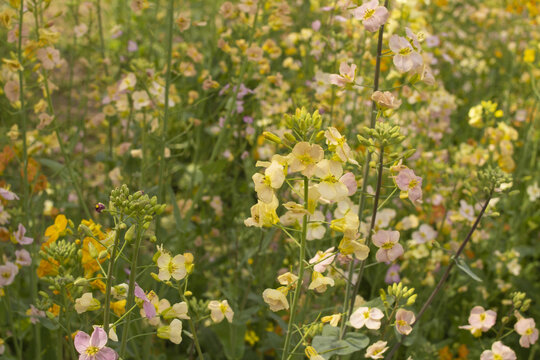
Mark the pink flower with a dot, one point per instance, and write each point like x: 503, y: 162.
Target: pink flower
x: 526, y: 328
x: 346, y: 75
x: 93, y: 347
x: 20, y: 238
x: 372, y: 15
x: 405, y: 57
x: 49, y: 57
x: 498, y: 352
x: 23, y: 258
x: 425, y: 234
x: 350, y: 182
x: 389, y: 248
x: 12, y: 91
x: 404, y: 320
x: 322, y: 260
x: 392, y: 274
x: 8, y: 195
x: 7, y: 273
x: 149, y: 309
x: 480, y: 320
x: 407, y: 181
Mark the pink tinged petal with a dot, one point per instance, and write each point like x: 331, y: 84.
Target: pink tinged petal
x: 403, y: 63
x: 106, y: 354
x: 487, y: 355
x: 524, y: 341
x: 99, y: 338
x: 139, y: 292
x: 373, y: 324
x: 350, y: 182
x: 395, y: 252
x: 415, y: 194
x: 149, y: 309
x: 394, y: 44
x: 81, y: 341
x: 382, y: 256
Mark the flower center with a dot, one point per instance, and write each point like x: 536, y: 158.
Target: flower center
x: 413, y: 182
x: 330, y: 179
x: 366, y: 314
x: 529, y: 331
x: 92, y: 350
x: 172, y: 267
x: 388, y: 245
x: 369, y: 13
x: 482, y: 317
x: 401, y: 322
x: 405, y: 51
x: 497, y: 357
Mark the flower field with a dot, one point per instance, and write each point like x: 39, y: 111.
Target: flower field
x: 269, y: 179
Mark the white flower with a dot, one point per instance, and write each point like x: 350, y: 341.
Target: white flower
x: 323, y: 259
x: 424, y: 234
x: 315, y: 230
x: 319, y: 282
x: 405, y: 58
x: 376, y: 350
x: 330, y: 187
x: 364, y: 316
x: 276, y: 299
x: 534, y: 192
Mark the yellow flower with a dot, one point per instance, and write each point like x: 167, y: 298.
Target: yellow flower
x: 251, y: 337
x: 118, y: 307
x: 529, y: 55
x: 332, y: 319
x: 53, y: 232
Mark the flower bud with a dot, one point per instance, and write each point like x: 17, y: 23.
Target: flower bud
x: 271, y: 137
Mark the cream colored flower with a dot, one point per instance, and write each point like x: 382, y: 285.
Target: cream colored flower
x: 272, y: 179
x: 287, y: 279
x: 304, y: 157
x: 330, y: 187
x: 376, y: 350
x: 276, y: 298
x: 319, y: 282
x: 86, y: 303
x: 172, y: 332
x: 263, y: 214
x: 337, y: 142
x: 171, y: 267
x: 404, y: 320
x: 220, y: 310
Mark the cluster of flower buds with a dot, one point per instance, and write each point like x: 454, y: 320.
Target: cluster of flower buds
x: 399, y: 292
x: 137, y: 205
x: 303, y: 124
x: 520, y: 301
x: 494, y: 178
x: 62, y: 252
x: 382, y: 135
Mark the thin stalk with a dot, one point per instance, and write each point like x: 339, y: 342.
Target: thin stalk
x: 191, y: 325
x: 349, y: 299
x: 7, y: 301
x: 298, y: 289
x: 27, y: 193
x: 170, y: 22
x: 131, y: 291
x: 445, y: 275
x: 108, y: 286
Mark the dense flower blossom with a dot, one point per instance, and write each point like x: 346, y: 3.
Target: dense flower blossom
x: 405, y: 58
x: 368, y: 317
x: 375, y: 350
x: 529, y: 333
x: 408, y: 182
x: 389, y: 247
x: 92, y: 347
x: 480, y: 320
x: 347, y: 74
x: 371, y: 14
x: 220, y: 310
x: 8, y: 271
x: 169, y: 266
x: 276, y: 299
x: 498, y: 352
x: 404, y: 320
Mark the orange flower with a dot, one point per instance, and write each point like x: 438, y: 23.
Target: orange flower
x: 47, y: 268
x: 54, y: 309
x: 98, y: 284
x: 119, y: 307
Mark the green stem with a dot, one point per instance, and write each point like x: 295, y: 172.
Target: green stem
x: 7, y: 301
x: 170, y: 22
x: 108, y: 286
x: 349, y: 298
x: 131, y: 291
x: 300, y: 273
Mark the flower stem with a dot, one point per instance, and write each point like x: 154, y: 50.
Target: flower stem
x: 445, y: 275
x: 170, y: 13
x: 131, y: 291
x: 110, y: 271
x: 349, y: 298
x: 300, y: 273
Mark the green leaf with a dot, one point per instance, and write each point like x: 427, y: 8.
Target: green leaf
x: 328, y: 344
x: 466, y: 269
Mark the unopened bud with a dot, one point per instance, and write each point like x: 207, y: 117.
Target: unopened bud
x: 271, y: 137
x: 412, y: 300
